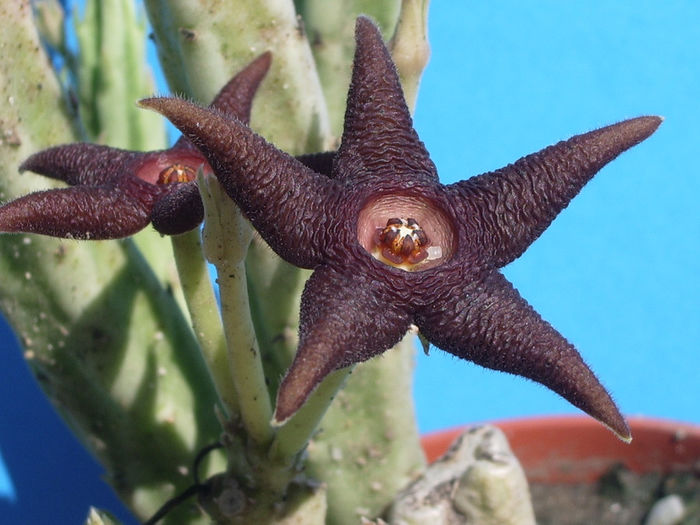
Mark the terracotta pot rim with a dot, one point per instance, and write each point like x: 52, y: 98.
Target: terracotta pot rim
x: 575, y: 421
x: 573, y: 448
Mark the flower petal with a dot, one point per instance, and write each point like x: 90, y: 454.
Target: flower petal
x: 378, y: 138
x: 343, y: 322
x: 178, y: 211
x: 81, y: 212
x: 515, y: 204
x: 236, y: 97
x: 82, y: 163
x: 491, y: 325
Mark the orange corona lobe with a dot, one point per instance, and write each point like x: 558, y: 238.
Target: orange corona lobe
x: 402, y: 241
x: 177, y: 173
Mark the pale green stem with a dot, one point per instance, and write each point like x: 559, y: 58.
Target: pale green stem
x: 369, y: 448
x: 243, y: 352
x: 293, y: 436
x: 204, y: 314
x: 331, y: 26
x: 226, y: 237
x: 409, y: 46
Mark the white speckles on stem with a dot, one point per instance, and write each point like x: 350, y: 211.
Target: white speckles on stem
x: 336, y: 454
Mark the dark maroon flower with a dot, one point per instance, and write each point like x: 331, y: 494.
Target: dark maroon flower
x: 390, y: 246
x: 115, y: 193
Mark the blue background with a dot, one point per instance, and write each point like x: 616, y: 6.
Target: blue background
x: 617, y: 272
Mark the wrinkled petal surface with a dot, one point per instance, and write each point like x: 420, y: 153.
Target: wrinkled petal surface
x: 81, y: 212
x: 488, y: 323
x: 515, y: 204
x: 343, y: 322
x: 378, y: 134
x: 289, y: 204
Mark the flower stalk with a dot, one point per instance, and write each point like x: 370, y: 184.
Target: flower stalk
x: 226, y: 237
x: 204, y: 314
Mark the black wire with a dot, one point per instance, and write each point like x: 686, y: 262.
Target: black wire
x: 196, y: 488
x: 200, y: 457
x: 174, y: 502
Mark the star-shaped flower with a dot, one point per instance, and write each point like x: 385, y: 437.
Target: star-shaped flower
x: 391, y: 247
x: 115, y: 193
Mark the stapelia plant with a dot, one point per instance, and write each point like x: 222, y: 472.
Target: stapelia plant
x: 392, y: 251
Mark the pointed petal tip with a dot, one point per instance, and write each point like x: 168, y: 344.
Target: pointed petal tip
x: 153, y: 103
x: 606, y: 143
x: 286, y: 408
x: 307, y: 371
x: 179, y: 111
x: 279, y: 420
x: 620, y: 429
x: 652, y: 121
x: 363, y: 22
x: 36, y: 162
x: 261, y: 64
x: 365, y: 27
x: 608, y: 415
x: 263, y: 61
x: 164, y: 105
x: 25, y: 166
x: 641, y: 127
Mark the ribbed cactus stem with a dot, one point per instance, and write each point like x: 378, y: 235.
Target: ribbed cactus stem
x: 202, y: 44
x: 330, y: 26
x: 110, y: 347
x: 111, y: 72
x: 364, y: 465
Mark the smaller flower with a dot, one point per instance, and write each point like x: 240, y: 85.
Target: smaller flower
x: 115, y: 193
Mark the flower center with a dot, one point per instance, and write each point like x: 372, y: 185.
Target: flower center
x: 402, y: 241
x: 407, y: 232
x: 176, y: 173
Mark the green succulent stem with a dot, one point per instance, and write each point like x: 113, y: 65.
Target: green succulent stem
x: 295, y: 434
x: 108, y: 344
x: 226, y: 237
x: 330, y: 26
x: 409, y: 46
x: 204, y: 314
x: 275, y: 295
x: 111, y: 68
x: 365, y: 464
x: 244, y: 354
